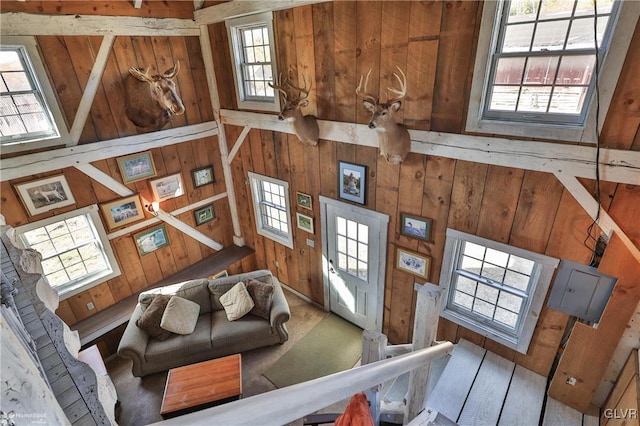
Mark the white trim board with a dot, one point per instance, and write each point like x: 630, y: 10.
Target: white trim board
x: 237, y: 8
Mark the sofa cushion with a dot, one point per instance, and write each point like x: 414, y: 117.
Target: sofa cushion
x: 194, y: 290
x: 150, y: 319
x: 234, y: 335
x: 262, y: 296
x: 180, y: 316
x: 179, y: 347
x: 220, y: 286
x: 237, y: 302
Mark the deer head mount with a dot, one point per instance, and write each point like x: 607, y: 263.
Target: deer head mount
x: 152, y: 99
x: 394, y: 139
x: 294, y: 98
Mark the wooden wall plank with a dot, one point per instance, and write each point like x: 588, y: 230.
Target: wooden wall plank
x: 394, y: 35
x: 625, y: 210
x: 368, y: 35
x: 345, y: 61
x: 323, y: 34
x: 627, y: 375
x: 466, y: 196
x: 499, y: 203
x: 305, y: 54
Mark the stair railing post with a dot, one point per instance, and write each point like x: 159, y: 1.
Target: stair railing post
x: 374, y: 348
x: 425, y: 327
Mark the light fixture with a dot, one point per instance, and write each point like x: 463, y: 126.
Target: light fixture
x: 153, y: 208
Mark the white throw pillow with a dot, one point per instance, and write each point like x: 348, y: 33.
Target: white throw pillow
x: 180, y: 316
x: 236, y: 302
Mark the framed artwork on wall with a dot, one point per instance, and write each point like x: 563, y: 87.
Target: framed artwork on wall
x: 167, y: 187
x: 415, y: 227
x: 413, y: 263
x: 352, y: 182
x: 123, y: 211
x: 135, y: 167
x: 40, y: 196
x: 304, y: 201
x: 151, y: 239
x: 204, y: 214
x: 305, y: 222
x: 202, y: 176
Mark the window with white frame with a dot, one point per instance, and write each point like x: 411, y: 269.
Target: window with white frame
x: 76, y: 254
x: 535, y: 66
x: 494, y: 289
x: 253, y: 53
x: 272, y: 208
x: 29, y: 111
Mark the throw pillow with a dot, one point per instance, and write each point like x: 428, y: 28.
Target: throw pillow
x: 181, y: 316
x: 262, y: 295
x: 150, y: 319
x: 236, y: 302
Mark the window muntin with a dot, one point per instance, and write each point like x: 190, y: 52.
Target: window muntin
x: 543, y: 64
x: 24, y: 113
x: 352, y: 247
x: 272, y: 208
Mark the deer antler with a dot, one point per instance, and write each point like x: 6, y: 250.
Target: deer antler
x: 304, y: 91
x: 278, y: 86
x: 403, y: 87
x: 361, y: 91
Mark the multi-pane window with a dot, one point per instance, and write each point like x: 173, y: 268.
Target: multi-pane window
x: 352, y: 247
x: 271, y: 205
x: 24, y: 114
x: 544, y: 62
x: 494, y: 288
x: 75, y: 253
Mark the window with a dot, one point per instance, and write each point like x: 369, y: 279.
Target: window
x: 271, y: 207
x: 28, y: 109
x: 494, y: 289
x: 76, y: 254
x: 535, y: 67
x: 251, y: 39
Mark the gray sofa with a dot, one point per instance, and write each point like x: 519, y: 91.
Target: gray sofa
x: 214, y: 336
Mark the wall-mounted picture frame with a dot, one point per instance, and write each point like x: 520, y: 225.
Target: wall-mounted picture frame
x: 220, y: 274
x: 122, y: 212
x: 304, y: 222
x: 415, y: 226
x: 40, y: 196
x: 204, y: 214
x: 151, y: 239
x: 413, y: 263
x: 202, y: 176
x: 167, y: 187
x: 136, y: 167
x: 304, y: 201
x: 352, y: 180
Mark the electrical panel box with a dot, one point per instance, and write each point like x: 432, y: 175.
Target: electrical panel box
x: 581, y: 291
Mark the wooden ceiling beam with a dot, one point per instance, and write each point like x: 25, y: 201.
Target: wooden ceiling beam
x: 235, y: 9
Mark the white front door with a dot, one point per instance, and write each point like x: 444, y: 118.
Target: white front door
x: 354, y: 247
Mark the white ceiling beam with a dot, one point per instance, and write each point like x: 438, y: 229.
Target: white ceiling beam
x: 41, y: 162
x: 198, y: 4
x: 574, y: 160
x: 20, y: 23
x: 137, y: 4
x: 237, y: 8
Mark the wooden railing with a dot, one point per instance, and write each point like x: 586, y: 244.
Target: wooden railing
x: 285, y: 405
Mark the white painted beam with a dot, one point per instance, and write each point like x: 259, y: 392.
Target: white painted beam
x: 137, y: 4
x: 20, y: 23
x: 237, y: 8
x: 90, y: 90
x: 27, y: 165
x: 574, y: 160
x: 236, y: 146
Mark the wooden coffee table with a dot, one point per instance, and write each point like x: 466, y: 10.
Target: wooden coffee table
x: 202, y: 385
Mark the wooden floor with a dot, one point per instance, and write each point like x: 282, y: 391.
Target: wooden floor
x: 478, y: 387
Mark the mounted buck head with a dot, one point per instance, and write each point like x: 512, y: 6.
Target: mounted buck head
x: 304, y: 126
x: 394, y: 139
x: 152, y: 99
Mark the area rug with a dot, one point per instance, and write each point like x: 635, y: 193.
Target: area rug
x: 333, y: 345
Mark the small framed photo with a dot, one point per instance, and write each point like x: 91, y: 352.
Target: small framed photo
x: 220, y: 274
x: 305, y: 222
x: 202, y: 176
x: 40, y: 196
x: 136, y: 166
x: 304, y: 201
x: 151, y: 239
x: 123, y: 211
x: 413, y: 263
x: 167, y: 187
x: 352, y: 182
x: 415, y: 227
x: 204, y: 214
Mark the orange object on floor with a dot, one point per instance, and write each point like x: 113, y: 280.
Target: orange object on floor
x: 357, y: 412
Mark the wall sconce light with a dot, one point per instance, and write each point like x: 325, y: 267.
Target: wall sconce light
x: 153, y: 208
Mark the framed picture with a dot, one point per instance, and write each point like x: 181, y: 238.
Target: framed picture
x: 42, y: 195
x: 204, y: 214
x: 220, y: 274
x: 415, y: 227
x: 123, y: 211
x: 151, y: 239
x: 305, y: 222
x: 352, y: 182
x: 413, y: 263
x: 202, y: 176
x: 304, y: 201
x: 136, y: 166
x: 167, y: 187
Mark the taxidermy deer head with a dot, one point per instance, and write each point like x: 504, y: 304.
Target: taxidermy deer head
x: 394, y: 139
x: 152, y: 99
x: 304, y: 126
